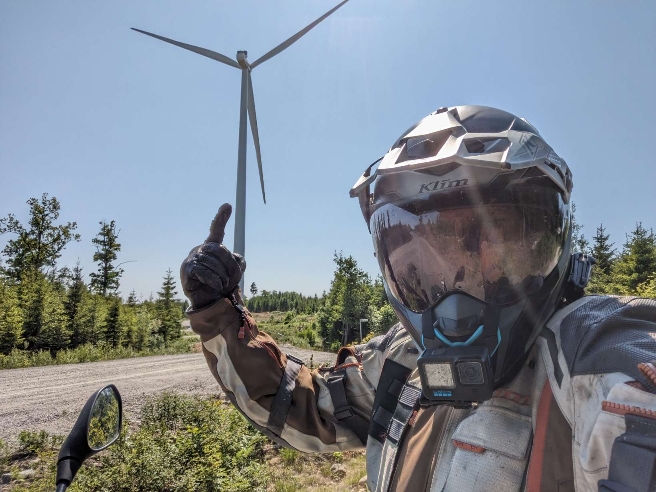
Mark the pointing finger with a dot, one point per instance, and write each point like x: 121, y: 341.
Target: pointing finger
x: 217, y: 229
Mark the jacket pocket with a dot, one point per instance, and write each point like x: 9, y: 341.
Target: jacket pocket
x: 492, y: 451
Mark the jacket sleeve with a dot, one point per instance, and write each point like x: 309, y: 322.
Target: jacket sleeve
x: 255, y: 375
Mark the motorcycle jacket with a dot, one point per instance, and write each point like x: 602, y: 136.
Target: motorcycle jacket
x: 580, y: 415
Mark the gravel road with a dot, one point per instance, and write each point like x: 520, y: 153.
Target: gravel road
x: 51, y: 397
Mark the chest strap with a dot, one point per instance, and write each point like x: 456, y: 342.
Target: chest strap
x: 405, y: 407
x: 344, y: 412
x: 283, y: 399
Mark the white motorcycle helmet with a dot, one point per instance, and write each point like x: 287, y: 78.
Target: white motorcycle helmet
x: 469, y: 213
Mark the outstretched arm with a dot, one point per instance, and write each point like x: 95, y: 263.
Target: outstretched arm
x: 276, y: 392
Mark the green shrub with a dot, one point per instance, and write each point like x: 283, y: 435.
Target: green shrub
x: 89, y: 353
x: 5, y: 454
x: 184, y: 443
x: 288, y: 456
x: 33, y: 442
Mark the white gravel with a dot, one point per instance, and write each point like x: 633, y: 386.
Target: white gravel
x: 51, y: 397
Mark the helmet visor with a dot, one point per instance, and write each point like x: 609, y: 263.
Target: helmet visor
x: 497, y: 248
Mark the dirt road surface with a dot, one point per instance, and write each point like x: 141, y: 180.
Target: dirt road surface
x: 51, y: 397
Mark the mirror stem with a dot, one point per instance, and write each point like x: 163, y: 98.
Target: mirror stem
x: 66, y: 470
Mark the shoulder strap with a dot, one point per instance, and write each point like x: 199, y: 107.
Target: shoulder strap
x: 283, y: 399
x: 344, y: 412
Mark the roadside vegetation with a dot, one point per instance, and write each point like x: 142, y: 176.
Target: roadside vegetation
x: 52, y: 314
x: 183, y: 443
x: 92, y: 353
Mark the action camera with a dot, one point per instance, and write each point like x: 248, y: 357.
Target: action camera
x: 456, y: 376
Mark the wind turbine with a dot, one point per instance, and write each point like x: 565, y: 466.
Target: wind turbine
x: 247, y: 110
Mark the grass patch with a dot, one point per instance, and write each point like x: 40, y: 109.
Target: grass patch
x: 90, y: 353
x: 336, y: 472
x: 185, y: 443
x: 299, y: 330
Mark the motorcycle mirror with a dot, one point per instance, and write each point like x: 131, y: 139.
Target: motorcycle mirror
x: 97, y: 427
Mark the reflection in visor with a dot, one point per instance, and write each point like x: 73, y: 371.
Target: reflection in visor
x: 496, y: 253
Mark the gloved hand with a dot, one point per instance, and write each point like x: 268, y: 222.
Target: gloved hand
x: 212, y: 271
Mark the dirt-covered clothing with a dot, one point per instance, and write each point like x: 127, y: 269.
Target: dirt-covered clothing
x: 553, y: 428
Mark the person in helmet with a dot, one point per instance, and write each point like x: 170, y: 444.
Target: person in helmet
x: 500, y: 375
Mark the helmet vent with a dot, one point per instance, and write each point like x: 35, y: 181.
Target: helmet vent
x: 486, y: 145
x: 423, y: 147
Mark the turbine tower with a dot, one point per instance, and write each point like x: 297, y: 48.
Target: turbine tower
x: 247, y: 110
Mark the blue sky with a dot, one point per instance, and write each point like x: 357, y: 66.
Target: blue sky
x: 121, y: 126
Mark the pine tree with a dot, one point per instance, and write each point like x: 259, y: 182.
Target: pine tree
x: 604, y: 253
x: 347, y: 301
x: 38, y: 247
x: 648, y: 289
x: 602, y: 250
x: 96, y: 315
x: 253, y: 289
x: 55, y: 334
x: 11, y: 319
x: 113, y: 323
x: 132, y: 299
x: 146, y: 327
x: 637, y: 262
x: 44, y: 316
x: 77, y: 290
x: 107, y: 278
x: 129, y: 323
x: 168, y: 312
x: 579, y: 241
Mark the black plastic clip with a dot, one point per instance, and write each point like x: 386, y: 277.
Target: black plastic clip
x: 580, y: 270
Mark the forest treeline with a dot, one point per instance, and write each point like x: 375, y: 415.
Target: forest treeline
x: 627, y: 270
x: 266, y: 301
x: 353, y: 296
x: 45, y: 306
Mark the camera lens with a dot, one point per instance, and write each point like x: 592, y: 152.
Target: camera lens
x: 470, y: 373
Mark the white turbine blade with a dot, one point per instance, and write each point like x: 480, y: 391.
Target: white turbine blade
x: 294, y: 38
x: 201, y: 51
x: 252, y: 117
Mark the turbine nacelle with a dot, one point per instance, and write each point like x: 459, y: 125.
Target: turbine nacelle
x: 242, y: 59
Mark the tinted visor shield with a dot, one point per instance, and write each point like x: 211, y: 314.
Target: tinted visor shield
x: 498, y: 251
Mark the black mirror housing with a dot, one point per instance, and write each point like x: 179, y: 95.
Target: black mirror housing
x: 76, y: 447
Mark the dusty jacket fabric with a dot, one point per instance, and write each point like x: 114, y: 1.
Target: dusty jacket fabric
x: 551, y: 429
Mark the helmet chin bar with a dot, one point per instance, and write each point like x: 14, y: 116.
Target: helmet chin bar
x: 459, y: 372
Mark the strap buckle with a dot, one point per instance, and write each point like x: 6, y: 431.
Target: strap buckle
x: 295, y: 359
x: 580, y: 270
x: 343, y: 413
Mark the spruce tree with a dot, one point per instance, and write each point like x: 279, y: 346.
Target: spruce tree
x: 55, y: 333
x: 637, y: 262
x: 106, y: 279
x: 40, y: 244
x: 253, y: 289
x: 11, y: 318
x: 129, y: 323
x: 604, y: 253
x: 113, y: 323
x: 579, y: 242
x: 167, y: 310
x: 44, y: 316
x: 132, y: 299
x: 77, y: 290
x: 145, y: 327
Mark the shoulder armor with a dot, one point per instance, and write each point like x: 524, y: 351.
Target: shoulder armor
x: 610, y: 334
